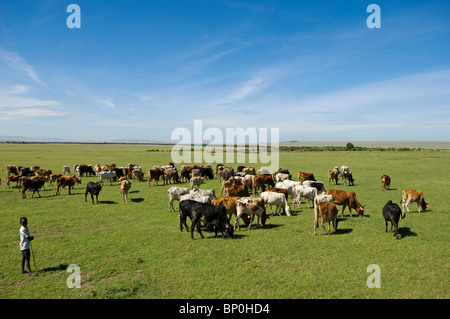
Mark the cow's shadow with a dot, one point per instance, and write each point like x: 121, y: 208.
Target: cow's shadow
x: 109, y: 202
x: 137, y: 200
x: 406, y: 231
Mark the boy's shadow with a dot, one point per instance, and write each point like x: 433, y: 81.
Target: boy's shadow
x: 61, y: 267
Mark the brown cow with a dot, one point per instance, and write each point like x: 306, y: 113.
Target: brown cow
x: 385, y: 182
x: 43, y: 172
x: 125, y: 186
x: 67, y: 180
x: 230, y: 205
x: 11, y: 170
x: 155, y: 174
x: 53, y: 178
x: 12, y: 178
x: 346, y: 199
x: 260, y: 182
x: 279, y: 190
x: 333, y: 175
x: 252, y: 206
x: 328, y: 212
x: 412, y: 195
x: 302, y: 176
x: 32, y: 183
x: 237, y: 190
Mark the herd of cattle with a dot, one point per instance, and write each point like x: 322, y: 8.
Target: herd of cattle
x: 238, y: 189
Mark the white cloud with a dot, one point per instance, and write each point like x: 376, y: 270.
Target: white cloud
x: 107, y: 103
x: 16, y: 62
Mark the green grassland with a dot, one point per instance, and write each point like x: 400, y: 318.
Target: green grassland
x: 135, y: 249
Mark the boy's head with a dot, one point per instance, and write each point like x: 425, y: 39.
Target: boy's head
x: 23, y: 221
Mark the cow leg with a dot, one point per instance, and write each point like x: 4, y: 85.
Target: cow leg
x: 386, y: 224
x: 85, y: 197
x: 396, y: 229
x: 323, y: 225
x: 92, y: 197
x: 236, y: 222
x: 335, y: 224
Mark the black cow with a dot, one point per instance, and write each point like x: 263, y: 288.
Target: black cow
x: 94, y: 189
x: 185, y: 175
x: 34, y: 184
x: 206, y: 172
x: 27, y: 172
x: 317, y: 185
x: 85, y: 169
x: 392, y: 213
x: 208, y: 214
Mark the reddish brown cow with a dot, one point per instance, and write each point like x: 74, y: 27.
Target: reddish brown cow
x: 302, y: 176
x: 230, y: 205
x: 279, y: 190
x: 333, y: 175
x: 328, y: 212
x: 412, y: 195
x: 155, y: 174
x: 345, y: 198
x: 67, y: 180
x: 385, y: 182
x: 237, y: 190
x: 260, y: 182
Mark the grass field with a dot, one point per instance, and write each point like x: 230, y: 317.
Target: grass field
x: 135, y: 249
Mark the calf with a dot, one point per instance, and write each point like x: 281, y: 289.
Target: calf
x: 320, y: 199
x: 93, y: 189
x: 125, y: 186
x: 391, y: 213
x: 328, y: 212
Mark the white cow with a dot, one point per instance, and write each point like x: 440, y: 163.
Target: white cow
x: 204, y: 192
x: 197, y: 180
x: 195, y: 197
x: 320, y: 199
x: 174, y: 194
x: 66, y: 169
x: 250, y: 206
x: 263, y: 171
x: 277, y: 199
x: 106, y: 175
x: 280, y: 177
x: 306, y: 192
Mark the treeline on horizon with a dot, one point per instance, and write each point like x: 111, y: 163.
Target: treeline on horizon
x: 247, y: 148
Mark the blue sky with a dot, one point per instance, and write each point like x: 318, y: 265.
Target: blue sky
x: 140, y: 69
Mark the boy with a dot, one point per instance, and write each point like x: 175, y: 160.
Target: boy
x: 25, y: 239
